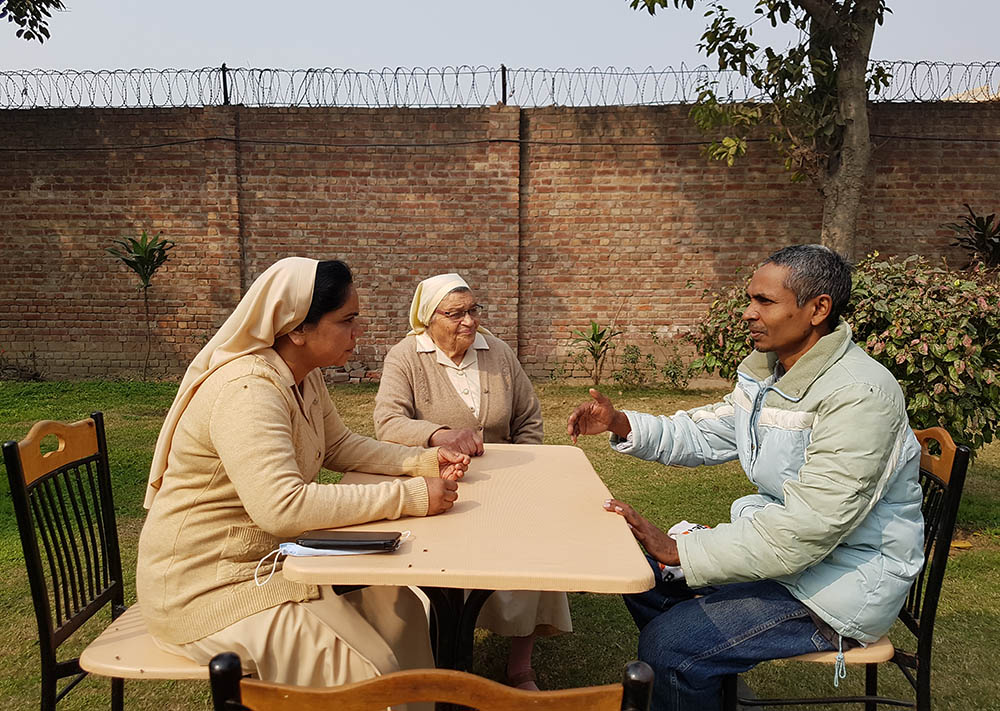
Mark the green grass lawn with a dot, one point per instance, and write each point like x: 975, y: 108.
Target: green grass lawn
x: 968, y: 627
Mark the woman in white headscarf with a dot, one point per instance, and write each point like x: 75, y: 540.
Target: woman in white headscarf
x: 234, y: 474
x: 451, y: 383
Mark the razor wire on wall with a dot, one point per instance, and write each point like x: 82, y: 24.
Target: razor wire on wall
x: 445, y: 87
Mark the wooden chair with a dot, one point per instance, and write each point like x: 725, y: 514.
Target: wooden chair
x: 942, y: 477
x: 65, y: 516
x: 231, y: 693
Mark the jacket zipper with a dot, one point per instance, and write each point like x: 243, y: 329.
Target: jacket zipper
x: 754, y: 417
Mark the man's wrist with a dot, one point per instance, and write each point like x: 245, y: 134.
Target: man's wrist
x: 620, y: 425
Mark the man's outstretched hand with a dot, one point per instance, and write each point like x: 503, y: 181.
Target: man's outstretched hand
x: 657, y: 543
x: 596, y: 416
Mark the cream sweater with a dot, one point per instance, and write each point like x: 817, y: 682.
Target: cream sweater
x: 240, y: 479
x: 416, y: 398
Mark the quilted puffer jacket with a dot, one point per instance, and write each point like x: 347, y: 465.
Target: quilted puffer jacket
x: 836, y: 519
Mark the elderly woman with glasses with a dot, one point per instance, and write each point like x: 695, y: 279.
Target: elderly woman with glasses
x: 451, y: 383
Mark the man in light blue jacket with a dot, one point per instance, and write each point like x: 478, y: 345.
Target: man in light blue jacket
x: 822, y: 557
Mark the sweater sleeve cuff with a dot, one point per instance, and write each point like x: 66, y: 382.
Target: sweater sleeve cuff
x: 427, y: 464
x: 415, y: 499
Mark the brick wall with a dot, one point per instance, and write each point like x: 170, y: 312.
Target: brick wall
x: 62, y: 298
x: 555, y: 215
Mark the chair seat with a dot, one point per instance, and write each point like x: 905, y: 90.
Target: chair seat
x: 126, y: 650
x: 880, y: 651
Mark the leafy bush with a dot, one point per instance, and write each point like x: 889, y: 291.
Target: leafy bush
x: 721, y: 338
x: 935, y: 328
x: 665, y: 367
x: 938, y: 331
x: 674, y: 371
x: 637, y: 368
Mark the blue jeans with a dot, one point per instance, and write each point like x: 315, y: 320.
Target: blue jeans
x: 693, y: 642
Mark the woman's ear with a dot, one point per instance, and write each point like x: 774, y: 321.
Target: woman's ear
x: 297, y: 336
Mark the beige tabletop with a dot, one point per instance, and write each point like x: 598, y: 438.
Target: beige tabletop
x: 528, y: 517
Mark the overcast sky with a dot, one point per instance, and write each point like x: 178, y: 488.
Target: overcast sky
x: 365, y: 34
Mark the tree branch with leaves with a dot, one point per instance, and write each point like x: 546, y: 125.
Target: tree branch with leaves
x: 31, y: 16
x: 813, y: 95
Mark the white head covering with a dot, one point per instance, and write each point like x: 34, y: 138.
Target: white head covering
x: 427, y: 297
x: 276, y: 302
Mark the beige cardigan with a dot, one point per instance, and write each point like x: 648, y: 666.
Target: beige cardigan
x: 241, y: 478
x: 415, y: 397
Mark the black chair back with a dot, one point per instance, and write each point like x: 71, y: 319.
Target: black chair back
x: 65, y: 517
x: 942, y: 478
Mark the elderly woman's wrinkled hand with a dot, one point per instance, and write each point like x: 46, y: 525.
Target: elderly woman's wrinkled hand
x: 452, y: 465
x: 441, y: 495
x: 466, y: 441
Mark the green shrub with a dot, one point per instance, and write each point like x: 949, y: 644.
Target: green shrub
x: 665, y: 366
x: 637, y: 368
x: 721, y: 338
x: 674, y: 371
x: 935, y: 328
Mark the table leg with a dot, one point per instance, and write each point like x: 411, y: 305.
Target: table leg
x: 446, y: 612
x: 453, y: 617
x: 466, y: 631
x: 453, y: 626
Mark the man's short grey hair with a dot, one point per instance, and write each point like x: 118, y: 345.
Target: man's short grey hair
x: 813, y: 270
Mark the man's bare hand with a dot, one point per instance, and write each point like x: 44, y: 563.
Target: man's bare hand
x: 657, y: 543
x: 596, y: 416
x: 452, y: 465
x: 467, y: 441
x: 441, y: 495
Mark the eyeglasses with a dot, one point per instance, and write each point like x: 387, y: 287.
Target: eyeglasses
x: 475, y: 311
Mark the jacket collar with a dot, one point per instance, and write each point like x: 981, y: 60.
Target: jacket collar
x: 813, y: 363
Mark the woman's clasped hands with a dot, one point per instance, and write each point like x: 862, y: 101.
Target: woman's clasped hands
x: 464, y: 440
x: 443, y: 491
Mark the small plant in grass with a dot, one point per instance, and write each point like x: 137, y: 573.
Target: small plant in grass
x: 978, y: 235
x: 637, y: 368
x: 594, y: 346
x: 937, y: 329
x: 674, y: 371
x: 144, y: 256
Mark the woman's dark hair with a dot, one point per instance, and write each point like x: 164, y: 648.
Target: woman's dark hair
x: 333, y: 282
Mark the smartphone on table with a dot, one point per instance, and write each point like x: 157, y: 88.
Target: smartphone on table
x: 374, y: 541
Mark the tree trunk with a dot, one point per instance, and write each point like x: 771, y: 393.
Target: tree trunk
x: 848, y: 170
